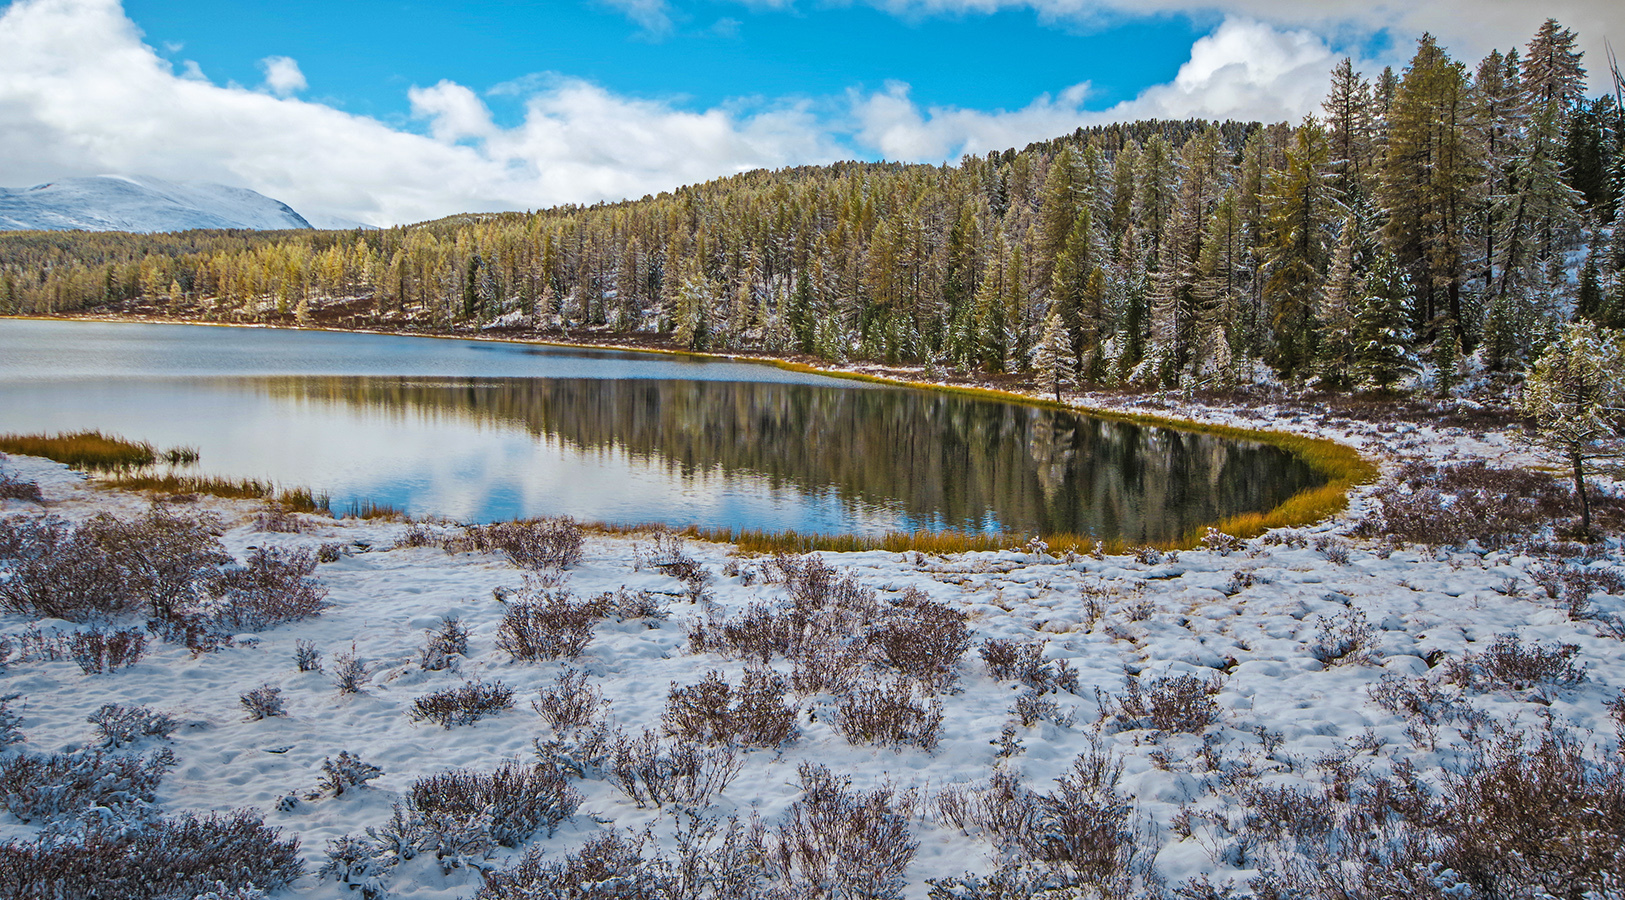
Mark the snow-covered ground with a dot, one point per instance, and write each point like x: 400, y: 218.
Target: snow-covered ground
x: 141, y: 203
x: 1251, y: 621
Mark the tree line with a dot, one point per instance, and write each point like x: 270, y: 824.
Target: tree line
x: 1424, y: 215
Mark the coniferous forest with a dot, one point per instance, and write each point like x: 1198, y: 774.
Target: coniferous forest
x: 1446, y: 211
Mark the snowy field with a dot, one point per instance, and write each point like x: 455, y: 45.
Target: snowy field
x: 1322, y: 667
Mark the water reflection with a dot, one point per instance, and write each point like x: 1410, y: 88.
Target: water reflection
x: 909, y: 458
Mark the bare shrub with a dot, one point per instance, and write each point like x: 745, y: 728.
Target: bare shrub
x: 551, y: 543
x: 650, y: 771
x: 1032, y: 707
x: 552, y: 626
x: 508, y: 805
x: 871, y: 712
x: 122, y: 725
x: 444, y: 643
x: 1573, y: 585
x: 263, y: 702
x: 306, y: 658
x: 107, y: 566
x: 62, y: 786
x: 1429, y: 504
x: 1541, y: 821
x: 349, y: 673
x: 14, y: 488
x: 181, y: 857
x: 1420, y: 699
x: 710, y: 712
x: 1509, y: 664
x: 923, y: 639
x: 572, y: 702
x: 462, y: 705
x: 1084, y: 825
x: 840, y: 841
x: 348, y: 771
x: 358, y: 864
x: 1221, y: 543
x: 273, y: 588
x: 1183, y: 703
x: 278, y: 519
x: 607, y: 867
x: 1023, y: 661
x: 1344, y: 638
x: 1240, y: 580
x: 627, y: 605
x: 97, y: 651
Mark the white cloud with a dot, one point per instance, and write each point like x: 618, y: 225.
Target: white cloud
x: 1468, y: 28
x: 81, y: 94
x: 282, y: 75
x: 1244, y: 70
x: 653, y: 16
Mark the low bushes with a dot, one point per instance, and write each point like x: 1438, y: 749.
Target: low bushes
x: 1181, y: 704
x: 1475, y: 501
x: 840, y: 841
x: 504, y: 807
x: 533, y: 544
x: 97, y: 651
x: 120, y: 725
x: 890, y: 714
x: 273, y: 588
x: 462, y: 705
x: 61, y: 786
x: 550, y: 626
x: 180, y: 857
x: 712, y: 712
x: 681, y: 772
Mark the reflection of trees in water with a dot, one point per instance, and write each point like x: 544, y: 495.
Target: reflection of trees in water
x: 944, y: 460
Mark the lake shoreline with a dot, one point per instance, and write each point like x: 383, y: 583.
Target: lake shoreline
x: 1343, y: 466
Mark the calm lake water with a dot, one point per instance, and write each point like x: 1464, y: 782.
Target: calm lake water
x: 486, y: 431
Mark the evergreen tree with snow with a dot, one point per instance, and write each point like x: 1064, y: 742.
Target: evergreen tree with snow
x: 1382, y: 334
x: 1054, y: 366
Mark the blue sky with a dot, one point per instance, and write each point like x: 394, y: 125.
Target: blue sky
x: 367, y: 53
x: 392, y: 112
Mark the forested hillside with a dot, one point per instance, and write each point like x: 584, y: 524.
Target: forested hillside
x: 1443, y: 210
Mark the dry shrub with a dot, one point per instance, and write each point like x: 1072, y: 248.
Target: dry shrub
x: 613, y: 867
x: 107, y: 566
x: 349, y: 672
x: 263, y: 702
x: 348, y: 771
x: 1573, y: 585
x: 1183, y: 703
x: 572, y: 702
x: 1084, y: 825
x: 63, y: 786
x: 651, y: 771
x: 123, y: 725
x: 278, y: 519
x: 1344, y: 638
x: 709, y: 712
x: 462, y: 705
x: 1221, y: 543
x: 97, y: 651
x: 553, y: 625
x: 1511, y: 665
x: 446, y: 642
x: 274, y: 587
x: 14, y: 488
x: 306, y: 658
x: 1031, y: 707
x: 1023, y: 661
x: 536, y: 544
x: 182, y: 857
x: 508, y: 805
x: 1421, y: 700
x: 889, y: 714
x: 831, y: 626
x: 838, y: 842
x: 1454, y: 504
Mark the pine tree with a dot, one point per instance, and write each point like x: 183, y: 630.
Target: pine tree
x: 1338, y: 305
x: 1382, y: 327
x: 1298, y: 222
x: 1552, y: 73
x: 1350, y: 131
x: 1588, y: 300
x: 1054, y: 366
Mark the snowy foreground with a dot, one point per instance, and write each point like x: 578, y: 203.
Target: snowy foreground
x: 1293, y: 636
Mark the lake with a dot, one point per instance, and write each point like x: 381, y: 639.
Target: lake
x: 481, y: 431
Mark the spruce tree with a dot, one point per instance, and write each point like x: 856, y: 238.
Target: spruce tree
x: 1054, y: 366
x: 1382, y: 328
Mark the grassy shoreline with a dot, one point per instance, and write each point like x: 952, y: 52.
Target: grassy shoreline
x: 1341, y: 465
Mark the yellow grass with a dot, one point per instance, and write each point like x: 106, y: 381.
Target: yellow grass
x: 172, y: 485
x: 82, y: 450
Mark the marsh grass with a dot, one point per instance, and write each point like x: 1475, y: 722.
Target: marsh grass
x: 90, y: 450
x: 173, y: 485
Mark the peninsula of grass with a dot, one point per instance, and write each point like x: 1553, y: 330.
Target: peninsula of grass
x: 86, y: 450
x: 173, y: 485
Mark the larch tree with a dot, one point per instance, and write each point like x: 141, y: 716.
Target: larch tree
x: 1054, y: 366
x: 1575, y: 395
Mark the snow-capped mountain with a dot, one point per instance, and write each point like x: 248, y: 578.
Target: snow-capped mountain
x: 140, y: 203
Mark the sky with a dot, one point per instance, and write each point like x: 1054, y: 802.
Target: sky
x: 394, y: 112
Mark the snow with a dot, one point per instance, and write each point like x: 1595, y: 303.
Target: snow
x: 1282, y: 708
x: 140, y: 204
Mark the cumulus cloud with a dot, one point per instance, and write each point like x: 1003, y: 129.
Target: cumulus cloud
x: 81, y: 94
x: 1244, y: 70
x: 282, y: 75
x: 653, y: 16
x: 1469, y: 28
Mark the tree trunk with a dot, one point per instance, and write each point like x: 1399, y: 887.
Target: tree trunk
x: 1580, y: 491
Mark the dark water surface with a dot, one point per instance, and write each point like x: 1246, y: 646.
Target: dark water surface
x: 485, y: 431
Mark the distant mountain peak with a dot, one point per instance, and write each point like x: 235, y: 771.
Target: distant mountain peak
x: 140, y: 203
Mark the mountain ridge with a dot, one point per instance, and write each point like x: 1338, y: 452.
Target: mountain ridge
x: 141, y: 204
